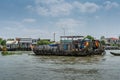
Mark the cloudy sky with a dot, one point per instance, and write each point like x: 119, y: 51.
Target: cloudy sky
x: 43, y: 18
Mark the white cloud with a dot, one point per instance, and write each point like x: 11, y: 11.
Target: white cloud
x: 14, y: 29
x: 30, y: 8
x: 109, y: 5
x: 53, y: 7
x: 29, y: 20
x: 97, y: 17
x: 48, y: 1
x: 86, y: 7
x: 70, y: 25
x: 11, y: 29
x: 42, y: 11
x: 62, y: 7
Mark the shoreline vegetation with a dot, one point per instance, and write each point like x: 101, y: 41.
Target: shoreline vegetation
x: 6, y: 52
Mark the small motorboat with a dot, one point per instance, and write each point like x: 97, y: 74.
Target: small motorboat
x: 115, y: 53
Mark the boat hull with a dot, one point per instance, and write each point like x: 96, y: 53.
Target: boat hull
x: 67, y: 53
x: 116, y: 54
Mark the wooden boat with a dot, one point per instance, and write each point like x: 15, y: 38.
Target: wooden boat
x: 76, y: 52
x: 59, y: 53
x: 79, y: 47
x: 115, y: 53
x: 68, y: 53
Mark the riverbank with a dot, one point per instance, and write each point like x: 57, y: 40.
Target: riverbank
x: 18, y: 49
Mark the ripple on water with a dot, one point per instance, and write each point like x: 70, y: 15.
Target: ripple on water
x: 27, y: 66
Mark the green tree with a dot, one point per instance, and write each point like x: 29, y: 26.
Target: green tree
x: 43, y: 42
x: 0, y: 40
x: 119, y: 37
x: 89, y: 37
x: 3, y: 42
x: 103, y: 42
x: 102, y: 37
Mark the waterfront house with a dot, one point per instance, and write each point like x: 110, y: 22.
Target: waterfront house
x: 34, y: 42
x: 11, y: 44
x: 24, y: 43
x: 112, y: 40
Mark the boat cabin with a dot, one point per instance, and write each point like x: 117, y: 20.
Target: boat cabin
x: 77, y: 43
x: 69, y: 43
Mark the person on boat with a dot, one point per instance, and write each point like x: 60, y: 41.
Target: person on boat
x: 95, y: 44
x: 84, y: 45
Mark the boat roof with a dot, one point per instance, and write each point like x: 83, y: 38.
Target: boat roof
x: 71, y: 36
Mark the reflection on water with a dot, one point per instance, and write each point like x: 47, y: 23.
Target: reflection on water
x: 28, y: 66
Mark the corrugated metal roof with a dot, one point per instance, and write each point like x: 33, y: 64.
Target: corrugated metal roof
x: 71, y: 36
x: 12, y: 42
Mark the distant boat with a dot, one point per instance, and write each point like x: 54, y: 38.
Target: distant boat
x: 115, y: 53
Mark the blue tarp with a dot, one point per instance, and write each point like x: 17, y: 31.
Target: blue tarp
x: 65, y: 47
x: 53, y: 45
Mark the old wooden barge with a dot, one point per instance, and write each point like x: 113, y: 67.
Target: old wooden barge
x: 71, y: 46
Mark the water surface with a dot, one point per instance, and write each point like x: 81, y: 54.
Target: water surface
x: 27, y: 66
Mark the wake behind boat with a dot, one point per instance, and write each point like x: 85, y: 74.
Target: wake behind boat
x: 115, y: 53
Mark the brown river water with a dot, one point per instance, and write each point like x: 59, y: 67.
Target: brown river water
x: 27, y: 66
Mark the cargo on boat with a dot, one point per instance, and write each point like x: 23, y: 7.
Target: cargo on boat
x: 71, y: 46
